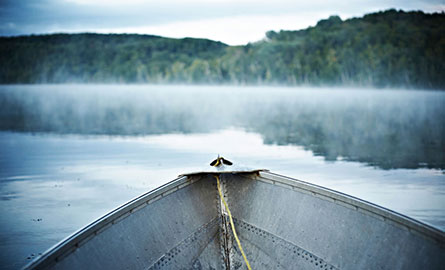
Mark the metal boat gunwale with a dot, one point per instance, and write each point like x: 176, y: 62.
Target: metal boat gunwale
x: 78, y: 238
x: 366, y: 207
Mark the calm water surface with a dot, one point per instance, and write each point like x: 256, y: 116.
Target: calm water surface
x: 71, y: 153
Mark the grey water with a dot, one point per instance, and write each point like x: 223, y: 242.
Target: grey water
x: 71, y: 153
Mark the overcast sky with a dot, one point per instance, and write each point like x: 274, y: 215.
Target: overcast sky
x: 231, y: 21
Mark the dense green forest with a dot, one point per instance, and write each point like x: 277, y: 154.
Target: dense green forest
x: 384, y: 49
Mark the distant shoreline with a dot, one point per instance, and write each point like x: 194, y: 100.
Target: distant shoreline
x: 390, y: 49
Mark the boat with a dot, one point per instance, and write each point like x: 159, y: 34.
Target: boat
x: 237, y: 218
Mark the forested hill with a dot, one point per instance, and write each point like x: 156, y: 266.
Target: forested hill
x: 385, y: 49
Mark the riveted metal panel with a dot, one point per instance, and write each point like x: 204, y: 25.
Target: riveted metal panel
x: 128, y: 239
x: 282, y: 223
x: 342, y: 231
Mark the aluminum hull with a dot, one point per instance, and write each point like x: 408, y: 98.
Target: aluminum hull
x: 283, y: 223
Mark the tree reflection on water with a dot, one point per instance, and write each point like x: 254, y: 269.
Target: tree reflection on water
x: 383, y: 128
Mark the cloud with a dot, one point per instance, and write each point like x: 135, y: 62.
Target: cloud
x: 237, y: 30
x: 230, y: 21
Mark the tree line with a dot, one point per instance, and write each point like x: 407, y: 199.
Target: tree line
x: 384, y: 49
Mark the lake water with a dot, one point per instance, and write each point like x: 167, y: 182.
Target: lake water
x: 71, y: 153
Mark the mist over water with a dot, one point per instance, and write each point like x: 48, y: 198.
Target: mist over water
x: 383, y: 128
x: 71, y: 153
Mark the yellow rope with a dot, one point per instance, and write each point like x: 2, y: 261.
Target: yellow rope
x: 218, y: 162
x: 231, y: 223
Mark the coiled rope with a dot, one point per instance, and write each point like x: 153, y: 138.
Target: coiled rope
x: 231, y: 223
